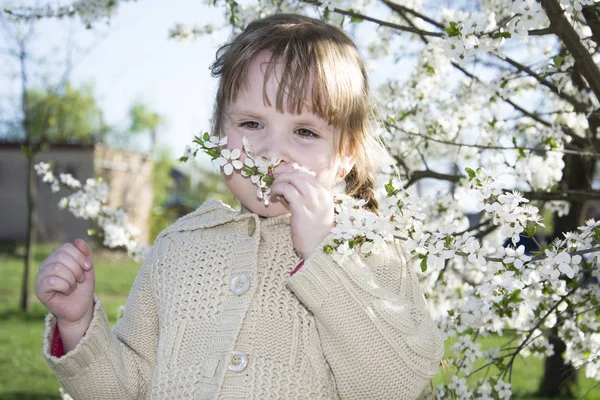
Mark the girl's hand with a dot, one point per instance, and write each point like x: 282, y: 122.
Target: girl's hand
x: 65, y: 283
x: 311, y: 205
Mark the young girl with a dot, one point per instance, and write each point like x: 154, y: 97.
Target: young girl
x: 246, y: 304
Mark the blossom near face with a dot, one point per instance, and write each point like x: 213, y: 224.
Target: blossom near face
x: 305, y: 139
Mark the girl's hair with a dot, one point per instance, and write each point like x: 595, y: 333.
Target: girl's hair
x: 308, y: 48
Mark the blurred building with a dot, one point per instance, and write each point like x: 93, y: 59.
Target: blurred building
x: 128, y: 174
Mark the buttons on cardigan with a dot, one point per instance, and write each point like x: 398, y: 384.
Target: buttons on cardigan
x: 239, y: 361
x: 240, y: 284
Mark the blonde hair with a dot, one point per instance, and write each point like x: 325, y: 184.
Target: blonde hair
x: 308, y: 48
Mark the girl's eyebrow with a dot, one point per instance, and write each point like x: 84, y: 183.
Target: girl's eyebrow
x: 241, y: 112
x: 314, y: 121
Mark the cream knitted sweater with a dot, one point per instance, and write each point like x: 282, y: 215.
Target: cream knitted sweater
x: 214, y: 314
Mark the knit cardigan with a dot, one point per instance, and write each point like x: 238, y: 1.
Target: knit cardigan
x: 215, y: 314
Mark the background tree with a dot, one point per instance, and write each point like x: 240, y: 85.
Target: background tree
x: 70, y: 115
x: 181, y: 188
x: 143, y: 119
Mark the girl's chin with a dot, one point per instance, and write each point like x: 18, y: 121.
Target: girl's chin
x: 273, y: 209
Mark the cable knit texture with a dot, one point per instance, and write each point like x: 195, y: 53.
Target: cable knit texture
x: 215, y: 314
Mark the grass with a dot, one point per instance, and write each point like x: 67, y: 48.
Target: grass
x: 25, y: 375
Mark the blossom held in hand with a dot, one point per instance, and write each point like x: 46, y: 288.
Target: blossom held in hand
x: 229, y: 160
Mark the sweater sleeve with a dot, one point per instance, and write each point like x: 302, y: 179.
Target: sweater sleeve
x: 117, y: 363
x: 376, y: 331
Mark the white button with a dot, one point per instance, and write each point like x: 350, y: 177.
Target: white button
x: 239, y: 361
x: 240, y: 284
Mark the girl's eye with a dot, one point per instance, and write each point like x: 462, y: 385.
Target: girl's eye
x: 307, y: 133
x: 251, y: 124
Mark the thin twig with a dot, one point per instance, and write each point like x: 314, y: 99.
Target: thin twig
x: 354, y: 14
x: 477, y: 146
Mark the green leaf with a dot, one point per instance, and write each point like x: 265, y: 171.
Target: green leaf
x: 452, y: 29
x: 424, y: 264
x: 326, y: 14
x: 470, y: 172
x: 91, y: 232
x: 448, y: 242
x: 355, y: 19
x: 182, y: 159
x: 429, y: 69
x: 550, y: 141
x: 206, y: 136
x: 558, y: 61
x: 328, y: 249
x: 505, y: 35
x: 389, y: 188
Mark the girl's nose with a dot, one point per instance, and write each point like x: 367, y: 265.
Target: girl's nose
x: 273, y: 145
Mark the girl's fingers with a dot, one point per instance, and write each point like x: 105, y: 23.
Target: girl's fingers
x: 86, y: 252
x: 54, y: 283
x: 59, y: 271
x: 83, y: 248
x: 287, y: 190
x: 307, y: 186
x: 304, y: 182
x: 74, y: 259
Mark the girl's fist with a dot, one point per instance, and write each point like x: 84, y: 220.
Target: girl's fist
x: 65, y: 283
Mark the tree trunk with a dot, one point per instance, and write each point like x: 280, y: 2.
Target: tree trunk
x: 31, y: 224
x: 560, y: 376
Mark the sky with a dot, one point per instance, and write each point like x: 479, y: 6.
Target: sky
x: 133, y: 59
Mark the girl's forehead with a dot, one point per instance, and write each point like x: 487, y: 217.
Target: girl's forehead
x: 265, y: 84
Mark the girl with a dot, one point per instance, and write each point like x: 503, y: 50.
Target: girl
x: 246, y: 304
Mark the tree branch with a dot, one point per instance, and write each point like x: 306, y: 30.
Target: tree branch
x: 593, y: 21
x: 477, y: 146
x: 568, y: 195
x: 418, y: 175
x: 402, y: 9
x: 354, y: 14
x: 563, y: 29
x: 580, y: 107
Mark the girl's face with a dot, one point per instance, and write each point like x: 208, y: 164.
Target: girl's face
x: 305, y: 139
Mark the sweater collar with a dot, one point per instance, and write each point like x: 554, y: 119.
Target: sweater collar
x: 214, y: 212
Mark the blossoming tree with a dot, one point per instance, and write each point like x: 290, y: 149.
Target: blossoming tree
x: 501, y: 107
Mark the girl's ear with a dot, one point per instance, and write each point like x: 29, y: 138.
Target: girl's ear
x: 347, y: 160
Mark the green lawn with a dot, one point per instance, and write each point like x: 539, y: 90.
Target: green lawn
x: 25, y: 375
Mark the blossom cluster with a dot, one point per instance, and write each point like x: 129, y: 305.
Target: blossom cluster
x: 89, y: 11
x: 260, y: 170
x: 88, y: 202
